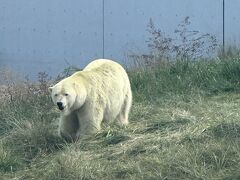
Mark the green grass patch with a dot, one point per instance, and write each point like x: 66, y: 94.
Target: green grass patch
x: 184, y: 124
x: 186, y: 77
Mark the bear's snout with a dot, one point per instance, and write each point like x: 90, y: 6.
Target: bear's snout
x: 60, y: 105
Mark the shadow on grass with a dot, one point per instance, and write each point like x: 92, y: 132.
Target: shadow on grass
x: 166, y: 125
x: 33, y: 142
x: 137, y: 150
x: 123, y: 173
x: 112, y: 137
x: 225, y: 130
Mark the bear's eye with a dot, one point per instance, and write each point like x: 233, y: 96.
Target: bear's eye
x: 66, y: 94
x: 55, y: 95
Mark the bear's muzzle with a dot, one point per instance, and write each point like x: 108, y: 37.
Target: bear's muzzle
x: 60, y: 106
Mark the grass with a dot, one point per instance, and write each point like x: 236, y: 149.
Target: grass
x: 184, y: 124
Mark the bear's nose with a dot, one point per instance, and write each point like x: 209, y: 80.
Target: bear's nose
x: 60, y: 105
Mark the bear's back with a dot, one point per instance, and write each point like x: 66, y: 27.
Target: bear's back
x: 108, y: 70
x: 110, y: 83
x: 102, y: 64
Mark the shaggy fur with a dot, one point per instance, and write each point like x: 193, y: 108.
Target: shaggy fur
x: 101, y: 92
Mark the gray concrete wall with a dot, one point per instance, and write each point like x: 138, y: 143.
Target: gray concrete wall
x: 42, y: 35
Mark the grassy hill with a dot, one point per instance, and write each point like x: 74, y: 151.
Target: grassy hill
x: 184, y: 124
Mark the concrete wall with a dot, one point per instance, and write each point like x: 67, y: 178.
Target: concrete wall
x: 42, y: 35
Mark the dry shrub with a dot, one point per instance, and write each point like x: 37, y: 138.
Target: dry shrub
x: 16, y: 87
x: 185, y: 43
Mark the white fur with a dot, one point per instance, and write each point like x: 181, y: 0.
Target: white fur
x: 101, y: 92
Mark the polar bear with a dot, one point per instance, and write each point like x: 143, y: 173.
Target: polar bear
x: 101, y: 92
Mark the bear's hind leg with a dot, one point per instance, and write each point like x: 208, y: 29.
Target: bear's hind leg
x: 123, y: 115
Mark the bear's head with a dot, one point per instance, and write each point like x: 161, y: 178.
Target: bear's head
x: 68, y: 96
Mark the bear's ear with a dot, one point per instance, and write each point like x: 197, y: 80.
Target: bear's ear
x: 50, y: 89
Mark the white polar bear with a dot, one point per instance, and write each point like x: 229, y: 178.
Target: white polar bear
x: 100, y: 92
